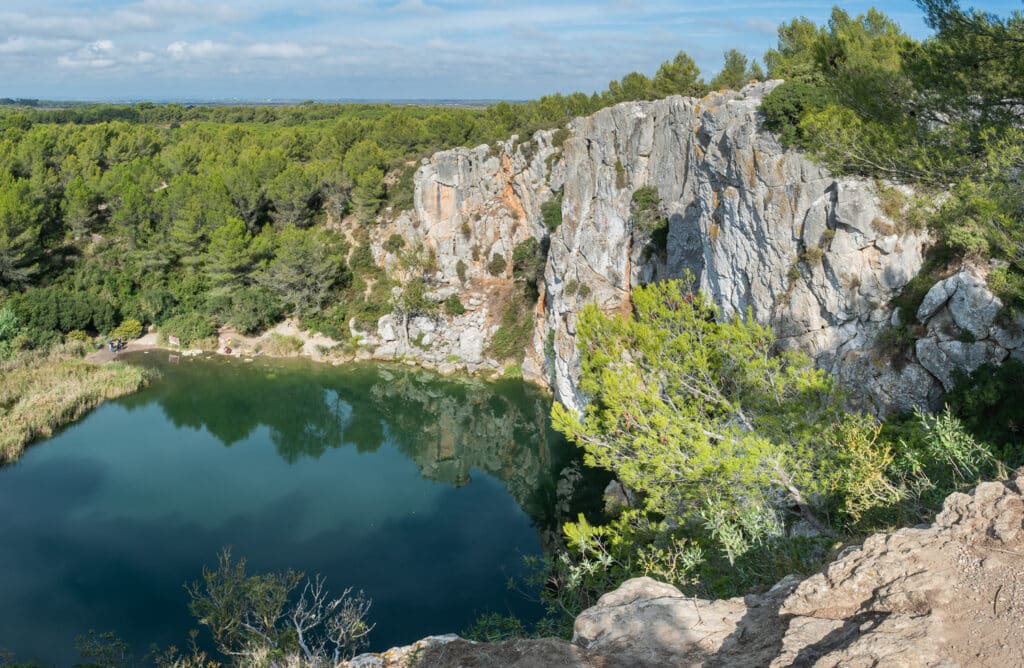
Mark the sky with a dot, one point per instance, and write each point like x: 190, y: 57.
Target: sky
x: 367, y: 49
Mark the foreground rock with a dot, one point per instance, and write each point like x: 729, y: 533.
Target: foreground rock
x: 951, y: 594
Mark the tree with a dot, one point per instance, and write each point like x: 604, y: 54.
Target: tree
x: 368, y: 193
x: 679, y: 76
x: 295, y: 196
x: 735, y: 72
x: 230, y: 255
x: 701, y: 418
x: 307, y: 265
x: 250, y: 615
x: 20, y: 230
x: 79, y: 206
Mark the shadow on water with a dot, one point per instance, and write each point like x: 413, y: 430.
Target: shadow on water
x: 476, y: 477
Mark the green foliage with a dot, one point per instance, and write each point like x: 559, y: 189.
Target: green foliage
x: 646, y: 206
x: 943, y: 114
x: 189, y: 327
x: 551, y: 213
x: 736, y: 72
x: 987, y: 403
x: 690, y: 411
x: 620, y: 175
x: 395, y: 243
x: 281, y: 345
x: 251, y: 616
x: 497, y: 265
x: 128, y: 329
x: 679, y: 76
x: 453, y: 305
x: 460, y: 270
x: 787, y: 105
x: 307, y: 266
x: 559, y: 137
x: 514, y: 332
x: 529, y: 258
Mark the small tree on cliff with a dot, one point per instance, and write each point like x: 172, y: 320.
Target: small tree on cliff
x: 707, y: 422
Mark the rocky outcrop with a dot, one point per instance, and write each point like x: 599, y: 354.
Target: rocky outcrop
x: 950, y: 594
x: 758, y: 227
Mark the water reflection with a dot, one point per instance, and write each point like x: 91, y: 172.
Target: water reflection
x: 447, y: 426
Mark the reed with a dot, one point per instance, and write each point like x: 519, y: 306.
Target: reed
x: 39, y: 393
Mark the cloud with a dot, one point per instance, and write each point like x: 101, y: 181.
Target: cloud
x: 97, y: 55
x: 196, y: 50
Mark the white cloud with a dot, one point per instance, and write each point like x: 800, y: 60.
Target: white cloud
x: 283, y: 51
x: 100, y: 54
x: 197, y: 50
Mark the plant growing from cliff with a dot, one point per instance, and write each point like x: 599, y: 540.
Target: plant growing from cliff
x: 646, y: 208
x: 528, y: 260
x: 395, y: 243
x: 551, y: 212
x: 460, y: 270
x: 453, y: 305
x: 497, y: 265
x: 620, y: 175
x: 514, y: 332
x: 684, y: 408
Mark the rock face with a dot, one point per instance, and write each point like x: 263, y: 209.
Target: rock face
x: 758, y: 227
x: 951, y: 594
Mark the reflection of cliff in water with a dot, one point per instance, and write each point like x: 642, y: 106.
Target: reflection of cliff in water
x: 448, y: 426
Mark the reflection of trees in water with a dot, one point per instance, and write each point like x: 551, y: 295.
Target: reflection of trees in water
x: 448, y: 426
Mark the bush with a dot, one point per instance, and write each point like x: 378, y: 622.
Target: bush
x: 620, y: 175
x: 551, y: 213
x: 987, y: 402
x: 253, y: 310
x: 189, y: 327
x: 497, y: 265
x: 280, y: 345
x: 559, y: 136
x: 453, y: 305
x: 128, y: 329
x: 514, y: 333
x: 785, y: 106
x: 394, y: 243
x: 460, y: 270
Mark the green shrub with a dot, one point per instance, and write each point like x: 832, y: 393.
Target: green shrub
x: 513, y: 335
x: 128, y: 329
x: 280, y: 345
x: 189, y: 327
x: 620, y: 175
x: 460, y: 270
x: 253, y: 310
x: 551, y: 213
x: 559, y: 137
x: 497, y: 265
x: 453, y: 305
x: 785, y: 106
x: 78, y: 335
x: 394, y: 243
x: 987, y: 402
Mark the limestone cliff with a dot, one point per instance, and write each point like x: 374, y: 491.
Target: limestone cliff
x: 760, y: 228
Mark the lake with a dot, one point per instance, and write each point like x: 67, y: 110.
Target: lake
x: 424, y: 492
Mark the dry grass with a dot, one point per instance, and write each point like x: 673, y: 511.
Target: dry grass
x: 42, y: 392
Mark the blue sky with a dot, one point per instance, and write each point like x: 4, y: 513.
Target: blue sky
x: 394, y: 49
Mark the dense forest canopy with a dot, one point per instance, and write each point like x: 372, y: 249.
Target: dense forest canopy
x: 193, y: 217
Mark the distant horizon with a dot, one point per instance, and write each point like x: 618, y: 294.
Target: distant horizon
x: 378, y: 50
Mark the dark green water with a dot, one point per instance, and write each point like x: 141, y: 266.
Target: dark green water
x: 424, y: 492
